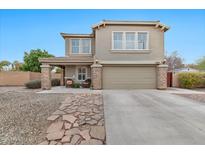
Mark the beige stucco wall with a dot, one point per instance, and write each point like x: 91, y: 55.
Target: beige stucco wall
x: 68, y: 48
x: 104, y: 44
x: 35, y: 76
x: 14, y: 78
x: 18, y: 78
x: 71, y: 72
x: 67, y: 41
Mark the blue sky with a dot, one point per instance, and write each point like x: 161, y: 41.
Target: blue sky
x: 22, y: 30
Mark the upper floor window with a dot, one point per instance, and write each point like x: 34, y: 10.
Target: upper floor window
x: 118, y: 40
x: 75, y: 45
x: 130, y: 41
x: 81, y: 46
x: 142, y: 40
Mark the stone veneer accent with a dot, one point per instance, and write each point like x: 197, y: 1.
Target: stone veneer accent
x: 96, y: 76
x: 45, y: 77
x: 162, y: 76
x: 62, y: 79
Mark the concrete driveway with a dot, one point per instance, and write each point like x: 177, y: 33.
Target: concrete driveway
x: 152, y: 117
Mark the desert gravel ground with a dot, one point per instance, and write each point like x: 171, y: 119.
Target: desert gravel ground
x: 23, y: 114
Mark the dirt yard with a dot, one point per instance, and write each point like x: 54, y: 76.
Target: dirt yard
x: 23, y: 114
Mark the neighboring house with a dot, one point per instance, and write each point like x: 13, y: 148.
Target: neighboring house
x: 116, y: 55
x: 185, y: 69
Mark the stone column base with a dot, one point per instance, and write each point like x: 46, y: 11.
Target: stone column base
x: 62, y: 80
x: 96, y: 76
x: 162, y: 76
x: 45, y: 77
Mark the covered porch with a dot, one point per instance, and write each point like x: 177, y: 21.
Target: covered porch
x: 76, y: 68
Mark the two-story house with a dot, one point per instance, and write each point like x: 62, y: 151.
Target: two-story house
x: 116, y: 55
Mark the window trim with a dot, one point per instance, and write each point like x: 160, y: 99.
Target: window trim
x: 80, y: 46
x: 124, y: 41
x: 72, y: 46
x: 86, y: 72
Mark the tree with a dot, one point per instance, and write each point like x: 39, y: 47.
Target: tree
x: 3, y: 64
x: 31, y: 62
x: 16, y: 65
x: 174, y: 61
x: 58, y: 70
x: 200, y: 64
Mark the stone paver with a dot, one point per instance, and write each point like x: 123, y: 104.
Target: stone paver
x: 85, y: 134
x: 72, y: 131
x: 92, y: 122
x: 53, y: 143
x: 97, y: 132
x: 55, y: 135
x: 66, y: 139
x: 53, y: 117
x: 54, y: 127
x: 75, y: 139
x: 91, y: 142
x: 84, y: 109
x: 69, y: 118
x: 79, y: 120
x: 67, y: 125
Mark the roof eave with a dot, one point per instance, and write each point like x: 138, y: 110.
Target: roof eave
x: 66, y: 60
x: 66, y: 35
x: 152, y: 23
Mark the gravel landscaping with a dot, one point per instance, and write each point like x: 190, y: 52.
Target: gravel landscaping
x: 24, y: 113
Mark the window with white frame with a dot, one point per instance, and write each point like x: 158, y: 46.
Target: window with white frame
x: 75, y: 45
x: 118, y: 40
x: 86, y: 45
x: 81, y: 46
x: 142, y: 40
x: 82, y: 73
x: 130, y: 40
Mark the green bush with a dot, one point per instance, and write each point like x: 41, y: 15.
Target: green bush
x: 76, y: 85
x: 34, y: 84
x: 191, y: 79
x: 55, y: 82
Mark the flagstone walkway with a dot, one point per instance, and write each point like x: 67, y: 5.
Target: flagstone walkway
x: 79, y: 120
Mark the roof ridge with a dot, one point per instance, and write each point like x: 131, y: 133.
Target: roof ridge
x: 107, y: 20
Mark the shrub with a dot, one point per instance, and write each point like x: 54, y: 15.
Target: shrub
x: 191, y: 80
x: 55, y: 82
x: 34, y: 84
x: 76, y: 85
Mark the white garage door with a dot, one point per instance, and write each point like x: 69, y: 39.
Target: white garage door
x: 127, y: 77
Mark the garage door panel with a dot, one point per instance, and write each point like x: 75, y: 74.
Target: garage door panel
x: 129, y: 77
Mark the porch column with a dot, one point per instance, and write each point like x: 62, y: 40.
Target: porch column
x: 162, y: 76
x: 96, y: 76
x: 45, y: 77
x: 62, y: 76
